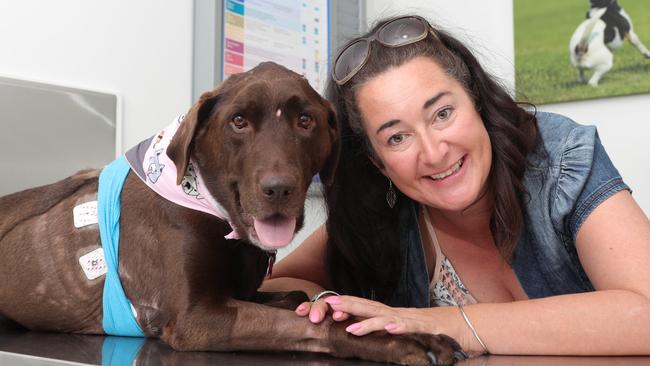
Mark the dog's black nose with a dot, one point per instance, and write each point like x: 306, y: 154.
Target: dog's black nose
x: 276, y: 187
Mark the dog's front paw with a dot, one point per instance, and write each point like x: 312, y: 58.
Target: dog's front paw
x: 404, y: 349
x: 440, y: 350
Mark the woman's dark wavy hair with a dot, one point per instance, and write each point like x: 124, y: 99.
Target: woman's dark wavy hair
x: 364, y: 255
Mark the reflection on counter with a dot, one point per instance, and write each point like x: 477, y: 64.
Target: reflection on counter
x: 114, y: 351
x: 118, y: 351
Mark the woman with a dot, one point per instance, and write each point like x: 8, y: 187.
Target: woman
x: 449, y: 193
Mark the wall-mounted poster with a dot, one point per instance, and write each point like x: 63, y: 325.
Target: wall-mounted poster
x: 293, y: 33
x: 581, y: 49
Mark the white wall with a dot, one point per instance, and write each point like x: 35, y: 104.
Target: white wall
x: 140, y: 50
x: 623, y: 122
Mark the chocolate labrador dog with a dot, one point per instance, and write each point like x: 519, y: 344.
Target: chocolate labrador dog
x: 203, y: 206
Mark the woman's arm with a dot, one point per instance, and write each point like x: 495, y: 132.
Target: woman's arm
x: 307, y: 261
x: 614, y: 248
x: 304, y: 269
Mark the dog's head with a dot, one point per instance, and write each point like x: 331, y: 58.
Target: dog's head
x: 257, y: 141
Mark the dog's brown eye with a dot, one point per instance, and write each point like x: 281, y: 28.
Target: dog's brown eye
x: 239, y: 122
x: 305, y: 120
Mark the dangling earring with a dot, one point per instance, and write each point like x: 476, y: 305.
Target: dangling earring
x: 391, y: 195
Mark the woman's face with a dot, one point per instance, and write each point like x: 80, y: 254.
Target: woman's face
x: 427, y: 134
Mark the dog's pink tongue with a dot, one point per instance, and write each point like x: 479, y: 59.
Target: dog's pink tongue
x: 276, y: 231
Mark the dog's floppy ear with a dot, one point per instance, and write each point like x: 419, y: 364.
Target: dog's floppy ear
x: 179, y: 148
x: 327, y: 171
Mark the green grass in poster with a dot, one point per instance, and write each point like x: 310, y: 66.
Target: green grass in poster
x: 544, y: 73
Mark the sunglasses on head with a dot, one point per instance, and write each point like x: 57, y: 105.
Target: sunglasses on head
x: 395, y: 33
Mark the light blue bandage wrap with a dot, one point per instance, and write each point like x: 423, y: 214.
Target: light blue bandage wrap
x: 118, y: 317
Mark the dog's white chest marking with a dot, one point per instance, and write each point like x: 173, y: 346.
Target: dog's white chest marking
x: 278, y: 113
x: 93, y: 264
x: 85, y: 214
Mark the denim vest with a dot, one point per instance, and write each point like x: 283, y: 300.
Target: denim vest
x: 569, y: 175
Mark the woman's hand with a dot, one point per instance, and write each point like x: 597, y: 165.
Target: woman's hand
x: 377, y: 316
x: 372, y: 316
x: 318, y: 310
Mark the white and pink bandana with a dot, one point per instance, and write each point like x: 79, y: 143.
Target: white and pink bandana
x: 150, y: 162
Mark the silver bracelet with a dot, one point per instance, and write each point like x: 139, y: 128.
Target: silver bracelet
x: 322, y: 294
x: 471, y: 327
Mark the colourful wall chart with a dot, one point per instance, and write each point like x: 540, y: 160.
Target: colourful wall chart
x: 293, y: 33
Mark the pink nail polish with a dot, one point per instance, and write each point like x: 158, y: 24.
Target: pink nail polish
x: 353, y: 327
x: 333, y: 300
x: 390, y: 327
x: 301, y: 308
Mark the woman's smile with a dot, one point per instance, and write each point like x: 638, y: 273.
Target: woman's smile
x: 452, y: 170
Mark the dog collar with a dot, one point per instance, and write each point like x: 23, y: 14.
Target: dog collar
x: 150, y: 162
x: 272, y: 256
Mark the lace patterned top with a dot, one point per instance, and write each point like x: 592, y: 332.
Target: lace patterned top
x: 446, y: 287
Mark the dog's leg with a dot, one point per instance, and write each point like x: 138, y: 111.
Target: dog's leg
x: 634, y: 39
x: 242, y: 326
x: 595, y: 77
x: 632, y: 36
x: 601, y: 69
x: 581, y: 75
